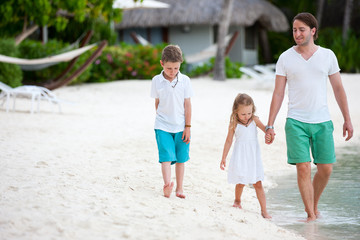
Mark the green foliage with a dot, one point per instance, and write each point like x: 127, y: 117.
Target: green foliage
x: 31, y: 49
x: 127, y: 62
x: 231, y: 69
x: 101, y: 31
x: 348, y: 53
x: 14, y: 13
x: 10, y: 74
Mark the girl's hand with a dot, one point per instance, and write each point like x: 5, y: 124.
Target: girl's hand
x: 268, y: 138
x: 223, y: 164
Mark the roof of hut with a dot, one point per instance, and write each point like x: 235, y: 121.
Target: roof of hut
x: 205, y: 12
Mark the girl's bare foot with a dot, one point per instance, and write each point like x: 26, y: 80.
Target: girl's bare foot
x: 264, y: 214
x: 237, y: 204
x: 168, y: 189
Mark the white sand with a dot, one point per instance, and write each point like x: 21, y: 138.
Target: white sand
x: 92, y: 172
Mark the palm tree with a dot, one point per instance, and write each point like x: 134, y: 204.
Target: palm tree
x: 346, y: 22
x: 219, y: 68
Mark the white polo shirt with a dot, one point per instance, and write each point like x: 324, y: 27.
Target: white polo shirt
x: 170, y: 115
x: 307, y: 83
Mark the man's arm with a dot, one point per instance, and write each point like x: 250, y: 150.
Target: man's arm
x: 277, y: 99
x: 186, y: 133
x: 341, y: 99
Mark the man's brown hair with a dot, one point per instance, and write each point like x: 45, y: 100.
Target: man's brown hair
x: 309, y: 20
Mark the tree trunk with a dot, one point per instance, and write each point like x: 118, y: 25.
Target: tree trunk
x: 347, y: 18
x: 319, y: 12
x: 219, y: 68
x: 25, y: 34
x: 265, y: 46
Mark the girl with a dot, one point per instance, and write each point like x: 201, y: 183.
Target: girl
x: 245, y: 164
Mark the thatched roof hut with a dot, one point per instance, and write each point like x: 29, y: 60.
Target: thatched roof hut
x: 206, y: 12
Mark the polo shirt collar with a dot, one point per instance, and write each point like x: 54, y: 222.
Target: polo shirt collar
x: 164, y: 79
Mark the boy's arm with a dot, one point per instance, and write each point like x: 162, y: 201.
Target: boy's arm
x: 186, y: 133
x: 156, y: 103
x: 227, y: 145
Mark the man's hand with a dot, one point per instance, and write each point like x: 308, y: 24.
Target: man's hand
x: 348, y: 128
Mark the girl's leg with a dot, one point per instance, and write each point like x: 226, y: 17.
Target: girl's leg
x: 180, y: 169
x: 260, y: 193
x: 166, y: 172
x: 238, y: 192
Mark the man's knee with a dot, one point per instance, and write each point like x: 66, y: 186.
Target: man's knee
x: 325, y: 170
x: 303, y: 169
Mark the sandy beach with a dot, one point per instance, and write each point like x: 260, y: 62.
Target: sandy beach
x: 92, y: 172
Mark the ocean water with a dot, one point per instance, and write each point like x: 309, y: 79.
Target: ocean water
x: 339, y: 204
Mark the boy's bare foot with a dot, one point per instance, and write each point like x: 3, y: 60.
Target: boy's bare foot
x: 168, y: 189
x: 180, y: 195
x: 265, y: 215
x: 237, y: 204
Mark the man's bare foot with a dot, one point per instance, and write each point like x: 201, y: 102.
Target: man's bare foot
x: 237, y: 204
x: 309, y: 219
x: 265, y: 215
x: 180, y: 195
x: 168, y: 189
x: 317, y: 214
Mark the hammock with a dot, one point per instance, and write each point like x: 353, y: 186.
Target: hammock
x: 40, y: 63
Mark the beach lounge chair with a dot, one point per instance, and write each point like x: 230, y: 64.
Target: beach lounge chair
x: 265, y: 69
x: 264, y: 80
x: 35, y: 93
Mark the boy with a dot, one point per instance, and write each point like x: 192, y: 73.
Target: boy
x: 172, y: 91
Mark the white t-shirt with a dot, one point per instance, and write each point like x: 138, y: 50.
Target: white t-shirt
x: 170, y: 115
x: 307, y: 83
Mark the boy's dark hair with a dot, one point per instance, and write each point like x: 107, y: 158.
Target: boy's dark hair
x: 172, y: 53
x: 309, y: 20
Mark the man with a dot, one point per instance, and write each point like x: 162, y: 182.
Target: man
x: 306, y: 67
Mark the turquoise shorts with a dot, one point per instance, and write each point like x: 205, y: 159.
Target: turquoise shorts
x: 171, y: 147
x: 301, y: 137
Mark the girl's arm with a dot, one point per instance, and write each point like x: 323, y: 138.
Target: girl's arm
x: 259, y: 124
x: 227, y: 146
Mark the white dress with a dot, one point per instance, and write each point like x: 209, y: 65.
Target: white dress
x: 245, y: 165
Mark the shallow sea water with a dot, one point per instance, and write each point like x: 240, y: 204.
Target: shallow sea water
x: 339, y: 204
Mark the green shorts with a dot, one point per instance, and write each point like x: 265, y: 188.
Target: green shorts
x: 301, y: 137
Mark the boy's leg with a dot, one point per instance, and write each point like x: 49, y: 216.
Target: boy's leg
x: 260, y: 193
x: 180, y: 169
x: 166, y: 172
x: 306, y: 188
x: 238, y: 192
x: 320, y: 181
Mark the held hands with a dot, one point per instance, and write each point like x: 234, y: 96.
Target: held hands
x: 269, y: 136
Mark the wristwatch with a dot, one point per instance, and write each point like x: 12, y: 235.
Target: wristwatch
x: 268, y: 127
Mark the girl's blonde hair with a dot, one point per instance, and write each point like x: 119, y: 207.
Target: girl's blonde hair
x: 241, y: 99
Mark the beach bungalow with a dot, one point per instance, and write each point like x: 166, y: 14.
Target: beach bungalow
x: 192, y: 24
